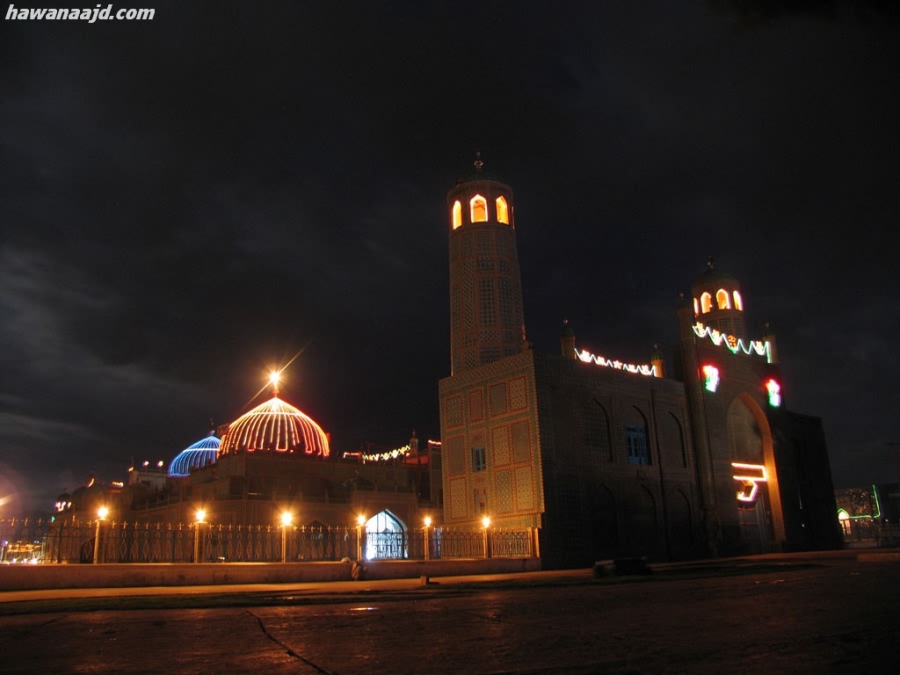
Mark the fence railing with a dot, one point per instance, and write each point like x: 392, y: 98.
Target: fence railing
x: 869, y: 532
x: 28, y: 541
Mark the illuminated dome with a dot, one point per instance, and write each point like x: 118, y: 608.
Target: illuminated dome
x: 275, y: 426
x: 199, y: 454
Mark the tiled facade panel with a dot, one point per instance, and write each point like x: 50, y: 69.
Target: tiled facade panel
x: 504, y: 492
x: 498, y: 399
x: 456, y: 454
x: 476, y: 405
x: 458, y: 501
x: 500, y: 445
x: 518, y: 393
x: 521, y: 441
x: 454, y: 411
x: 524, y: 488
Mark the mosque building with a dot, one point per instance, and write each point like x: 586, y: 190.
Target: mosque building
x: 608, y: 459
x: 594, y: 457
x: 275, y: 459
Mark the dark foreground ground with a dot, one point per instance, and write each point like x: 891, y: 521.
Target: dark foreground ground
x: 801, y: 616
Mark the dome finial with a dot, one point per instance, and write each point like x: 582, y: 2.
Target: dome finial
x: 478, y: 163
x: 274, y: 377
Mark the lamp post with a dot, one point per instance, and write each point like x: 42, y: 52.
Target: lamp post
x: 102, y: 512
x: 360, y: 521
x: 427, y: 525
x: 286, y: 520
x: 486, y: 522
x: 198, y: 530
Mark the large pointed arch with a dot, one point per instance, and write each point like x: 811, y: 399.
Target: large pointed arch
x: 764, y: 455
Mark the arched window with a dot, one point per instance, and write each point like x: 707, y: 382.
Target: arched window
x: 457, y: 214
x: 596, y: 432
x: 696, y: 307
x: 738, y: 303
x: 478, y: 208
x: 722, y: 299
x: 636, y: 438
x: 502, y: 211
x: 385, y: 537
x: 705, y: 302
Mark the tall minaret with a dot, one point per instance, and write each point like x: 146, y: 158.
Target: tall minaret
x: 486, y: 317
x: 717, y: 301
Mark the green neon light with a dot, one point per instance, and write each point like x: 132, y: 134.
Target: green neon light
x: 877, y: 508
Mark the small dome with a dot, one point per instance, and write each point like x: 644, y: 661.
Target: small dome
x: 275, y: 426
x: 479, y: 174
x: 714, y: 277
x: 199, y: 454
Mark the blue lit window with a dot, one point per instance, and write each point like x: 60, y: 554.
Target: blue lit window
x: 636, y: 440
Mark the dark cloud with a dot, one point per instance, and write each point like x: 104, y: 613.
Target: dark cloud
x: 190, y: 201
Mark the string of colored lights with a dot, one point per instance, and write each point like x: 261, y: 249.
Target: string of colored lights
x: 384, y: 456
x: 396, y: 453
x: 734, y: 344
x: 276, y: 425
x: 585, y: 356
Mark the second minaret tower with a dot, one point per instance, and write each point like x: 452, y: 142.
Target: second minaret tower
x: 487, y: 321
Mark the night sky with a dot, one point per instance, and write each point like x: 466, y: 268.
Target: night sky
x: 190, y: 201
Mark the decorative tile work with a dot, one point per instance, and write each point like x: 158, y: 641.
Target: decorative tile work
x: 456, y: 454
x: 500, y: 445
x: 498, y: 399
x: 504, y: 492
x: 454, y: 411
x: 458, y: 501
x: 476, y: 405
x: 518, y: 396
x: 489, y: 337
x: 485, y: 243
x: 521, y: 441
x: 467, y: 303
x: 524, y: 488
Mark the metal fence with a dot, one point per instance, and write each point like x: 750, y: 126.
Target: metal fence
x: 866, y: 532
x: 28, y: 541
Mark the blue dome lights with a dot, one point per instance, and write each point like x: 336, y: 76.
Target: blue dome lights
x: 198, y: 455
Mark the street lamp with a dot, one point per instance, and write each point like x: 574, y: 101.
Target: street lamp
x: 102, y: 512
x: 487, y: 523
x: 286, y: 519
x: 360, y: 521
x: 201, y: 516
x: 427, y: 525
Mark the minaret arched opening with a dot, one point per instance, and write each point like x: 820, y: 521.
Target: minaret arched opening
x: 478, y: 209
x: 502, y: 211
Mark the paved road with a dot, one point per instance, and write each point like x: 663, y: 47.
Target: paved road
x: 836, y: 616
